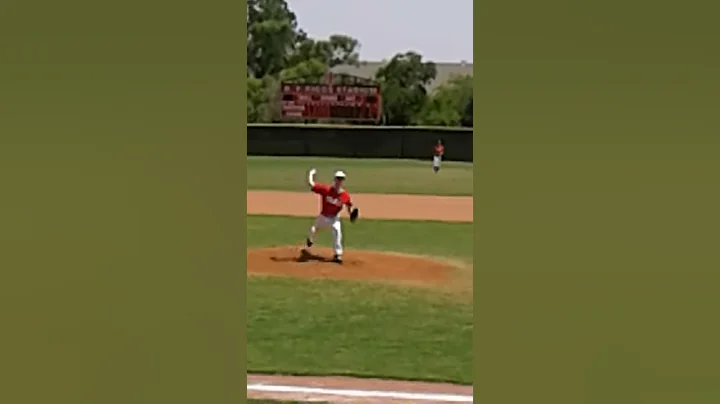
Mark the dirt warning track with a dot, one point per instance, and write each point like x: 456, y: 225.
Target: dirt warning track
x: 372, y: 206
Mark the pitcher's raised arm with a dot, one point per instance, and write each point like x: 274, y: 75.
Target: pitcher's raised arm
x: 311, y: 178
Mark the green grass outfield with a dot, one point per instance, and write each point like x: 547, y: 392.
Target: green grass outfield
x: 301, y: 326
x: 364, y: 175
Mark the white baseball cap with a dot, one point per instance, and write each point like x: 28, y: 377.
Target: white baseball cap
x: 339, y: 174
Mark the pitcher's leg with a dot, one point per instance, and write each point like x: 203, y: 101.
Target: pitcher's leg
x: 310, y: 240
x: 337, y: 240
x: 319, y: 224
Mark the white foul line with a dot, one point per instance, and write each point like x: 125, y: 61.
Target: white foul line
x: 362, y: 393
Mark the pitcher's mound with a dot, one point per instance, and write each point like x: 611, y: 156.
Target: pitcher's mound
x: 357, y: 265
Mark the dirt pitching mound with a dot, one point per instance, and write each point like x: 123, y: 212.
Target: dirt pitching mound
x: 357, y: 265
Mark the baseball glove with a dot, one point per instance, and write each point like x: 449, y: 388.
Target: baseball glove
x: 354, y: 215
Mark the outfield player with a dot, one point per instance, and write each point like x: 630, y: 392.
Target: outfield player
x: 438, y: 153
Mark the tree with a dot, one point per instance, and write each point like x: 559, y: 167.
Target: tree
x: 263, y: 99
x: 337, y: 50
x: 311, y: 70
x: 271, y: 108
x: 255, y: 98
x: 438, y: 111
x: 272, y: 34
x: 448, y: 104
x: 467, y: 119
x: 343, y: 51
x: 403, y: 81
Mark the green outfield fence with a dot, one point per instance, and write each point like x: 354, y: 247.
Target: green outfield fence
x: 411, y: 142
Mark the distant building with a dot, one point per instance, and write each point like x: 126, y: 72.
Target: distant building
x: 444, y: 70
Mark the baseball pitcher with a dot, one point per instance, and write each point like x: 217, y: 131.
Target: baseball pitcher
x: 438, y: 152
x: 332, y: 199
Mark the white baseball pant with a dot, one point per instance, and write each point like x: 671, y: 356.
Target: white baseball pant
x: 323, y: 222
x: 436, y: 161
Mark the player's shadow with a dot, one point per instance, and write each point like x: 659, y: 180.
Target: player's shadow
x: 305, y: 256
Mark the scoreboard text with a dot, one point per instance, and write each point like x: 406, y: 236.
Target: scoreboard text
x: 331, y: 102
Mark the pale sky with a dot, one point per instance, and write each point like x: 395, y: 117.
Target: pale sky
x: 439, y: 30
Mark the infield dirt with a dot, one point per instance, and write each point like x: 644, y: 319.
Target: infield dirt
x: 357, y: 265
x: 372, y: 206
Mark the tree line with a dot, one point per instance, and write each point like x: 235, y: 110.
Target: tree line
x: 278, y: 50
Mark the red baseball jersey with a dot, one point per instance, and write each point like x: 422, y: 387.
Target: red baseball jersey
x: 439, y: 149
x: 331, y: 200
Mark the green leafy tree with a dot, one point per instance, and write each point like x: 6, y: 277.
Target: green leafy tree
x: 263, y: 99
x: 403, y: 81
x: 343, y: 50
x: 467, y: 119
x: 270, y: 110
x: 255, y: 98
x: 448, y: 104
x: 311, y: 70
x: 337, y: 50
x: 438, y: 112
x: 275, y: 41
x: 272, y: 35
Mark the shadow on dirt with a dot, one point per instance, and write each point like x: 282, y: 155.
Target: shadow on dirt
x: 305, y: 256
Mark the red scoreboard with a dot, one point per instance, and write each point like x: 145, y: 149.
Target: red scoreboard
x: 356, y: 102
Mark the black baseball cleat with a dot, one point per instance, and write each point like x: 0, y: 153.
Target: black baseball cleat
x: 308, y: 243
x: 337, y: 259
